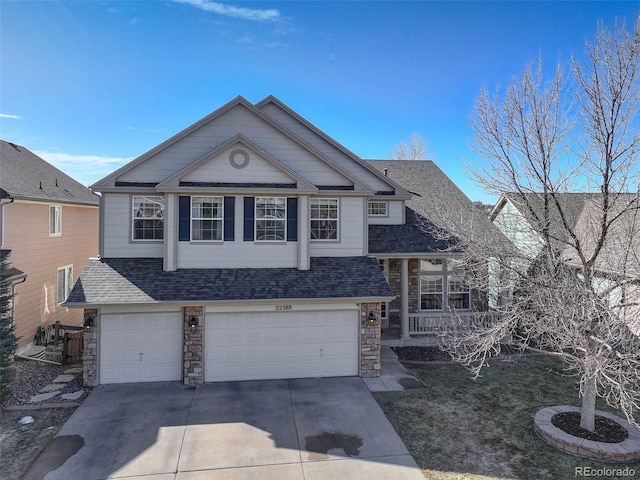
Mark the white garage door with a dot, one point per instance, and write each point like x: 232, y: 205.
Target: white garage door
x: 270, y: 345
x: 140, y: 347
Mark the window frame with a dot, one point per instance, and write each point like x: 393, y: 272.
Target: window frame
x: 384, y: 306
x: 379, y: 202
x: 135, y: 218
x: 67, y: 279
x: 282, y: 220
x: 55, y: 220
x: 321, y: 219
x: 448, y: 276
x: 219, y: 219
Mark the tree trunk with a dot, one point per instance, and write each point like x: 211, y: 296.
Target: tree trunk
x: 588, y: 412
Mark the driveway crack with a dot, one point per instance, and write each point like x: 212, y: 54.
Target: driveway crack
x: 184, y: 432
x: 295, y: 426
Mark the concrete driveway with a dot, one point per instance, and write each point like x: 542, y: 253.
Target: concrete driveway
x: 278, y: 429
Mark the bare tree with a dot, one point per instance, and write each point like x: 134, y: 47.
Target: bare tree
x: 567, y: 153
x: 416, y: 150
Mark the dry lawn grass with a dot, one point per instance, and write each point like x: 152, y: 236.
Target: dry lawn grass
x: 21, y: 444
x: 460, y: 428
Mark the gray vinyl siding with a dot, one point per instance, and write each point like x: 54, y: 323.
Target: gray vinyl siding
x: 237, y: 120
x: 117, y: 231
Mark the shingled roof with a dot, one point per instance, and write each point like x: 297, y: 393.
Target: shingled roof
x: 435, y: 197
x: 410, y: 237
x: 26, y: 176
x: 142, y: 280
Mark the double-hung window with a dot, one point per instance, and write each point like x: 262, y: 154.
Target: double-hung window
x: 442, y: 286
x: 324, y: 218
x: 55, y: 220
x: 65, y: 283
x: 377, y: 208
x: 271, y: 219
x: 207, y: 219
x: 148, y: 218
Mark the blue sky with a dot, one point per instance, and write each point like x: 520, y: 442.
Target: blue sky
x: 90, y: 85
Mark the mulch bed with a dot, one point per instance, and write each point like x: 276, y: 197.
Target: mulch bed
x: 606, y: 431
x: 421, y: 354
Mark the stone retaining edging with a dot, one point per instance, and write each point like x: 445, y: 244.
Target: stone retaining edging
x: 622, y: 452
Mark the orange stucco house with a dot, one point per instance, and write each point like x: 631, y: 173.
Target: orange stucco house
x: 48, y: 231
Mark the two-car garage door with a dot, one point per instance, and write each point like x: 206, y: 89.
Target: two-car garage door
x: 147, y: 347
x: 280, y: 344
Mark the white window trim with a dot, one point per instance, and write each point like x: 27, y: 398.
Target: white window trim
x: 382, y: 202
x: 134, y: 218
x: 445, y: 274
x: 56, y: 221
x: 192, y: 218
x: 384, y: 265
x: 256, y: 220
x: 337, y: 220
x: 68, y: 277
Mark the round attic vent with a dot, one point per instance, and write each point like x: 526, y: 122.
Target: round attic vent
x: 239, y: 158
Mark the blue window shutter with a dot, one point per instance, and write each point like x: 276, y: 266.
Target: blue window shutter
x: 229, y: 216
x: 184, y: 218
x: 292, y: 219
x: 249, y: 213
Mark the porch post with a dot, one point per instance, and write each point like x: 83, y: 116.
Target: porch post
x: 404, y: 298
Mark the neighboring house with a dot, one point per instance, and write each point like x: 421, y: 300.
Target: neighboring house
x: 240, y: 249
x: 417, y: 263
x: 520, y: 217
x: 48, y: 231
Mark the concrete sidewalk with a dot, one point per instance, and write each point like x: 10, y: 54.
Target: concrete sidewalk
x: 305, y: 429
x: 393, y: 375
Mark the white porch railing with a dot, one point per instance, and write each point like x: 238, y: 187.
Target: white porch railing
x: 430, y: 324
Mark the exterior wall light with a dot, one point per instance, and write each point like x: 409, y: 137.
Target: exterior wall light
x: 372, y: 318
x: 88, y: 322
x: 193, y: 323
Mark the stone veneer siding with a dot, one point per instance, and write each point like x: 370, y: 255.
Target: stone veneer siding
x: 90, y: 356
x: 369, y: 341
x: 193, y: 373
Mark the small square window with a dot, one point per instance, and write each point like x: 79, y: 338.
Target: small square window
x: 377, y: 208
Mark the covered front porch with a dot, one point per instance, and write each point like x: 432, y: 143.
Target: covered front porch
x: 431, y: 297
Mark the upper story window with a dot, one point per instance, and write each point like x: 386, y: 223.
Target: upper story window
x: 148, y: 217
x: 55, y: 220
x: 324, y: 218
x: 65, y: 283
x: 271, y: 219
x: 378, y: 208
x: 207, y: 218
x: 442, y: 286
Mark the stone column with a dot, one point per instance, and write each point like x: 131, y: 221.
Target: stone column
x: 193, y: 373
x: 90, y: 355
x: 404, y: 298
x: 370, y: 340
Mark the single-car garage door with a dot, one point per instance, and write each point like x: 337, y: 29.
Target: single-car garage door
x: 140, y: 347
x: 283, y: 344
